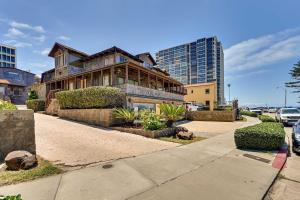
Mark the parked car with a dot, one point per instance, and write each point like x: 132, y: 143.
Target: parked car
x: 192, y: 107
x: 288, y: 116
x: 296, y: 137
x: 256, y: 110
x: 272, y: 110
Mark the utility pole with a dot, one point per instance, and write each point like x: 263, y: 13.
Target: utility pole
x: 285, y: 94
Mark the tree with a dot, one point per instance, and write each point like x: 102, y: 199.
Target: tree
x: 295, y: 73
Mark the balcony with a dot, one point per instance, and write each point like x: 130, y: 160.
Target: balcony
x: 175, y: 94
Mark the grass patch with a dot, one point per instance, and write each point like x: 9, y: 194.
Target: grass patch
x: 242, y: 119
x: 44, y: 168
x: 180, y: 141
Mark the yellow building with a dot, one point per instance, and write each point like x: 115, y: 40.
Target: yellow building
x: 204, y: 93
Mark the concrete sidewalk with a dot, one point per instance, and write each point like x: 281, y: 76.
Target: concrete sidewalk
x: 210, y: 169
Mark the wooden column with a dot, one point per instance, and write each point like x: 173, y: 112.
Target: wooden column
x: 81, y: 82
x: 75, y: 83
x: 55, y: 85
x: 112, y: 76
x: 126, y: 73
x: 148, y: 80
x: 163, y: 84
x: 139, y: 77
x: 101, y: 78
x: 156, y: 85
x: 92, y: 79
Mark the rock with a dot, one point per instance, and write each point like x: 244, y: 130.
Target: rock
x: 17, y: 160
x: 181, y: 129
x: 2, y: 167
x: 185, y: 135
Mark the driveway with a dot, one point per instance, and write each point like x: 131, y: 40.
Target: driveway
x: 75, y: 144
x: 211, y: 129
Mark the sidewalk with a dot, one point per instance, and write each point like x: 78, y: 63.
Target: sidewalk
x: 210, y: 169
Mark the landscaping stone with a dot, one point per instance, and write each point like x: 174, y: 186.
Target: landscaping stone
x: 17, y: 160
x: 181, y: 129
x: 185, y: 135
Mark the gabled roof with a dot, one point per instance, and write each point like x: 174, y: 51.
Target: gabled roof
x: 58, y: 45
x: 111, y: 50
x: 148, y: 55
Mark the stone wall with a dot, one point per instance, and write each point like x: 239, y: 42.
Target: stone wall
x: 147, y: 133
x: 53, y: 107
x: 16, y: 131
x: 222, y: 116
x: 100, y: 117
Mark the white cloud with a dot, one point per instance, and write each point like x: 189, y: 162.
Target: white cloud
x: 16, y: 43
x: 43, y: 52
x: 63, y: 37
x: 261, y: 51
x: 14, y: 33
x: 19, y: 25
x: 246, y: 74
x: 40, y: 39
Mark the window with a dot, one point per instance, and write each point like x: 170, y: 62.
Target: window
x: 59, y: 59
x: 207, y: 103
x: 207, y: 91
x: 192, y: 91
x: 109, y: 60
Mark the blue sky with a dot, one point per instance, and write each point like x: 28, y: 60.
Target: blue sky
x: 261, y: 39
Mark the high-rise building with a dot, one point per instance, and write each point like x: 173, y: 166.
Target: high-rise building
x: 200, y: 61
x: 7, y: 56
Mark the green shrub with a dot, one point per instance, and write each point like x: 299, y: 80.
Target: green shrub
x: 18, y: 197
x: 150, y: 120
x: 125, y: 114
x: 264, y: 136
x: 36, y: 104
x: 266, y: 118
x: 4, y: 105
x: 91, y: 97
x: 171, y: 112
x: 32, y: 95
x: 248, y: 113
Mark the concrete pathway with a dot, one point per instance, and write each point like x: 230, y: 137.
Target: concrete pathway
x: 210, y: 169
x: 75, y: 144
x: 287, y: 185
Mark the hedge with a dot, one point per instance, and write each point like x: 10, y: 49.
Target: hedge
x: 36, y: 104
x: 248, y: 113
x: 4, y: 105
x: 91, y: 97
x: 264, y: 136
x: 266, y: 118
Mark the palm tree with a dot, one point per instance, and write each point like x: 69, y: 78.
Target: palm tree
x: 171, y: 112
x: 127, y: 115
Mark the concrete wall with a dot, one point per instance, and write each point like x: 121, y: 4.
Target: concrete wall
x: 16, y: 131
x: 223, y: 116
x: 53, y: 107
x: 101, y: 117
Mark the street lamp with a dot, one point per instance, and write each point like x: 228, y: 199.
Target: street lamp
x: 229, y: 85
x: 285, y: 94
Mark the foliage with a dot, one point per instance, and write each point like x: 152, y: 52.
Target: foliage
x: 171, y: 112
x: 248, y: 113
x: 266, y: 118
x: 18, y: 197
x: 264, y: 136
x: 32, y: 95
x: 91, y: 97
x: 44, y: 168
x: 4, y: 105
x: 36, y: 104
x: 150, y: 120
x: 127, y: 115
x: 295, y: 74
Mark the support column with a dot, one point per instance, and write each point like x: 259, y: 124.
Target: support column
x: 126, y: 74
x: 101, y: 78
x: 148, y: 80
x: 112, y: 76
x: 75, y: 83
x: 139, y: 77
x: 81, y: 82
x: 92, y: 79
x: 55, y: 85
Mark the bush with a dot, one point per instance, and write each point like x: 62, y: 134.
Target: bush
x: 266, y: 118
x: 150, y: 120
x: 18, y: 197
x: 171, y: 112
x: 125, y: 114
x: 4, y: 105
x: 32, y: 95
x: 92, y: 97
x: 264, y: 136
x: 248, y: 113
x: 36, y: 104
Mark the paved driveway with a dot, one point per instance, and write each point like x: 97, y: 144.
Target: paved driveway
x: 71, y: 143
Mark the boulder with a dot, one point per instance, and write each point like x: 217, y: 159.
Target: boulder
x: 17, y: 160
x: 181, y: 129
x: 185, y: 135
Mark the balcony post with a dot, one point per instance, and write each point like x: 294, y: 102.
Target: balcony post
x: 112, y: 77
x: 139, y: 77
x: 148, y: 80
x: 75, y: 82
x: 156, y: 84
x: 101, y: 78
x: 92, y: 79
x: 126, y: 73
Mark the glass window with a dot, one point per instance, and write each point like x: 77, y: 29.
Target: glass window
x: 207, y: 91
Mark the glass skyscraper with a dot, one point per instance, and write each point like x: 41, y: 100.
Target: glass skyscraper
x: 201, y: 61
x: 7, y: 56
